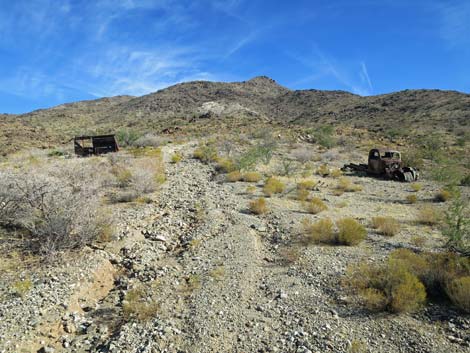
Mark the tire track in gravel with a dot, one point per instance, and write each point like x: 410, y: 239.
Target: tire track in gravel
x: 227, y: 263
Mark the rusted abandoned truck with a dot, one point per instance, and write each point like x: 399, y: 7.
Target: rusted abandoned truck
x: 386, y: 164
x: 94, y: 145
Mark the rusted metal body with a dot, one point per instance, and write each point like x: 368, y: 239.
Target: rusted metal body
x: 386, y: 164
x: 95, y: 145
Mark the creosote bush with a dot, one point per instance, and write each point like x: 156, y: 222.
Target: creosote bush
x: 252, y: 177
x: 458, y: 291
x: 403, y: 282
x: 273, y: 186
x: 57, y: 215
x: 350, y: 231
x: 258, y: 206
x: 416, y: 187
x: 388, y: 226
x: 315, y: 205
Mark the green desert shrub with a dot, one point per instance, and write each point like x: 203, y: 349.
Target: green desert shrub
x: 458, y: 291
x: 411, y: 199
x: 388, y: 286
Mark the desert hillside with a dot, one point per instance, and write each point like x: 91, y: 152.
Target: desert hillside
x: 194, y: 106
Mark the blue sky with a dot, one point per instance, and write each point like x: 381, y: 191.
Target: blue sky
x: 54, y: 51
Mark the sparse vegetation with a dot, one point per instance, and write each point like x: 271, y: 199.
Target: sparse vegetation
x: 138, y: 304
x: 388, y: 226
x: 345, y: 185
x: 22, y: 287
x: 308, y: 184
x: 259, y: 206
x: 416, y: 187
x: 323, y: 170
x: 273, y: 186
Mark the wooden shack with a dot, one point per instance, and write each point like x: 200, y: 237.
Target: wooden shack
x: 95, y: 145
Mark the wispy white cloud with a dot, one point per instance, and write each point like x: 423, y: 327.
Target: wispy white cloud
x: 365, y: 76
x: 455, y: 22
x: 323, y: 65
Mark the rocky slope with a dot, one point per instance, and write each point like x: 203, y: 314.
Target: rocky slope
x: 224, y: 279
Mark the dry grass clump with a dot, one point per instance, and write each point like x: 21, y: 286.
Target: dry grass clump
x: 21, y: 287
x: 416, y: 187
x: 443, y: 195
x: 252, y: 177
x: 206, y: 153
x: 323, y: 170
x: 418, y: 241
x: 176, y: 158
x: 138, y: 305
x: 429, y: 215
x: 388, y: 226
x: 404, y: 281
x: 308, y: 184
x: 302, y: 195
x: 336, y: 173
x: 259, y: 206
x: 350, y: 231
x: 273, y: 186
x: 218, y: 273
x: 316, y: 205
x: 250, y: 189
x: 412, y: 199
x: 458, y: 291
x: 234, y: 176
x: 321, y: 231
x: 345, y: 185
x: 225, y: 165
x: 122, y: 174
